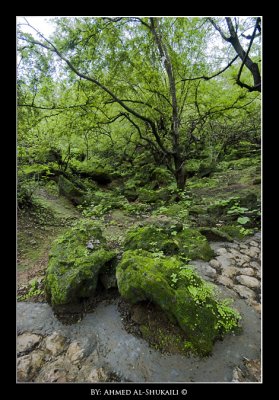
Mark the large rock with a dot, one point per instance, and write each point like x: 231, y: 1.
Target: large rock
x: 180, y: 292
x: 171, y: 239
x: 76, y: 259
x: 70, y: 191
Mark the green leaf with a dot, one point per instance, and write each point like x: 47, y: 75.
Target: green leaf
x: 243, y: 220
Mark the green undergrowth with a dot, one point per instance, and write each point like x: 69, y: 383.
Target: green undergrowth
x: 170, y: 239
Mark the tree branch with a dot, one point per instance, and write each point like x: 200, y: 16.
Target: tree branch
x: 246, y: 55
x: 88, y: 78
x: 207, y: 78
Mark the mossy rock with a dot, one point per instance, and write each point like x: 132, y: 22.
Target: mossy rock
x: 197, y: 210
x: 249, y: 200
x: 130, y: 193
x: 215, y: 235
x: 153, y: 196
x: 180, y: 293
x: 75, y: 261
x: 236, y: 231
x: 171, y: 239
x: 70, y: 191
x: 99, y: 175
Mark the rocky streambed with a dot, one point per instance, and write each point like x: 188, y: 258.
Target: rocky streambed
x: 99, y: 349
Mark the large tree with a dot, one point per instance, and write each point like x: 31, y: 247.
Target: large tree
x: 140, y: 72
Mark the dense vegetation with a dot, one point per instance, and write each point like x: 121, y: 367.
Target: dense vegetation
x: 139, y: 140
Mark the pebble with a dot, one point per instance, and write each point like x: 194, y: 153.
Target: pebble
x: 247, y: 271
x: 27, y: 342
x: 221, y: 251
x: 225, y: 281
x: 230, y: 272
x: 244, y: 292
x: 248, y: 281
x: 214, y: 264
x: 55, y: 343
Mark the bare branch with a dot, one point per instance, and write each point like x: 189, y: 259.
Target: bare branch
x: 247, y: 52
x: 218, y: 29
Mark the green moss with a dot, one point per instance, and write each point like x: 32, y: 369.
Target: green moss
x: 73, y: 268
x: 70, y: 191
x: 214, y: 234
x: 171, y: 239
x: 187, y: 300
x: 153, y: 196
x: 236, y: 231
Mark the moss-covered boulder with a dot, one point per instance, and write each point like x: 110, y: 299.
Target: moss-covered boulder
x: 70, y: 190
x: 180, y: 293
x: 75, y: 262
x: 170, y: 239
x: 86, y: 170
x: 153, y: 196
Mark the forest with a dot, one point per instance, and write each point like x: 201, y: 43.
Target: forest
x: 139, y: 199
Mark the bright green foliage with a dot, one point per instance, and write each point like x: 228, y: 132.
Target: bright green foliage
x: 75, y: 261
x: 171, y: 239
x: 180, y: 293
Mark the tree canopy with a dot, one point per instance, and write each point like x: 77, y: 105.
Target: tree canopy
x: 169, y: 86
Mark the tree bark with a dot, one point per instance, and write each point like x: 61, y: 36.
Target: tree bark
x: 179, y: 171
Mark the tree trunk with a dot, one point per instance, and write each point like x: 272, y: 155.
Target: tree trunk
x: 180, y: 179
x: 180, y: 174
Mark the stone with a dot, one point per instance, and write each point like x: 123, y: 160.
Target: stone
x: 224, y: 261
x: 244, y: 292
x: 70, y: 191
x: 254, y: 252
x: 225, y: 281
x: 249, y: 371
x: 253, y: 243
x: 232, y: 253
x: 170, y: 238
x: 23, y: 368
x: 241, y: 259
x: 108, y: 279
x: 97, y: 375
x: 73, y: 270
x: 79, y: 350
x: 27, y: 342
x: 205, y: 270
x: 215, y: 264
x: 164, y: 282
x: 75, y: 352
x: 247, y: 271
x: 221, y: 251
x: 29, y: 365
x: 248, y: 281
x: 257, y: 307
x: 55, y: 344
x: 54, y: 371
x: 258, y: 274
x: 230, y: 272
x: 255, y: 265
